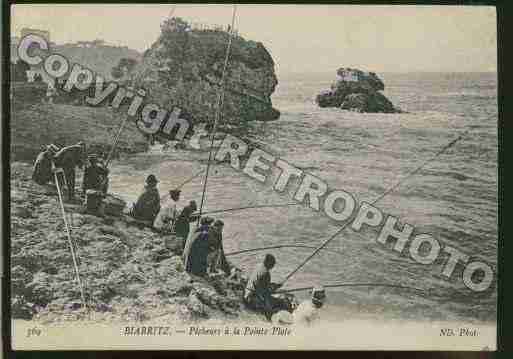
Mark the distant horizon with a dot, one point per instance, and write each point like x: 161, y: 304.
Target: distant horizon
x: 300, y: 38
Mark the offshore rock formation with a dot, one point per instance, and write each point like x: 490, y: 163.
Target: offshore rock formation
x: 358, y: 91
x: 184, y: 67
x: 128, y: 273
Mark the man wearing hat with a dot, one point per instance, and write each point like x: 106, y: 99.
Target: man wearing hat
x: 95, y: 176
x: 166, y: 218
x: 216, y: 258
x: 182, y: 224
x: 196, y: 249
x: 148, y: 204
x: 308, y: 312
x: 42, y: 172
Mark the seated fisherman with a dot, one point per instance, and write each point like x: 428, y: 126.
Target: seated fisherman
x: 259, y: 289
x: 148, y: 204
x: 95, y: 176
x: 167, y: 216
x: 216, y: 258
x: 196, y: 249
x: 42, y: 173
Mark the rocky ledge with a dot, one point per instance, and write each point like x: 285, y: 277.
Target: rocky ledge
x: 129, y: 274
x: 358, y: 91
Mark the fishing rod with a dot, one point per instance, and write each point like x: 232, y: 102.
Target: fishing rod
x: 220, y: 101
x: 442, y: 150
x: 184, y: 183
x: 250, y: 207
x: 116, y: 139
x: 351, y: 285
x: 277, y: 247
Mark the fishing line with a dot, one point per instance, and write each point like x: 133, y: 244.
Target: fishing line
x: 293, y: 245
x: 252, y: 207
x: 351, y: 285
x: 218, y: 110
x: 344, y: 226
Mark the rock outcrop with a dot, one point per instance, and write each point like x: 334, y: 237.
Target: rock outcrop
x: 358, y: 91
x: 128, y: 273
x: 184, y: 68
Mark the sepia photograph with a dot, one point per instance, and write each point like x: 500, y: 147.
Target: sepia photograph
x: 252, y: 177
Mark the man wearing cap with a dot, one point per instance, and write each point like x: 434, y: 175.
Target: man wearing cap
x: 42, y: 173
x: 166, y: 218
x: 182, y: 224
x: 216, y: 258
x: 308, y: 312
x: 259, y: 289
x: 95, y: 176
x: 148, y: 204
x: 196, y: 249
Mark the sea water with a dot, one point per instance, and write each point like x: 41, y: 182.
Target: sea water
x: 454, y: 198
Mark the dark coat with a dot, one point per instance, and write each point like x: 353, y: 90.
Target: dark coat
x: 196, y: 252
x: 258, y: 289
x: 182, y: 224
x: 148, y: 205
x: 68, y: 158
x: 216, y: 256
x: 42, y: 173
x: 95, y: 177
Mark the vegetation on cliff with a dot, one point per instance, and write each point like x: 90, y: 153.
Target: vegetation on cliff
x: 184, y: 67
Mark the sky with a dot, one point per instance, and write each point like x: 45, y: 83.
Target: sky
x: 300, y: 38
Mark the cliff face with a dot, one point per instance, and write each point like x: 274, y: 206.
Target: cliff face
x: 358, y: 91
x: 184, y: 68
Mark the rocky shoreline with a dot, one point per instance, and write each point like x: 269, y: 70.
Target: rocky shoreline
x: 129, y: 274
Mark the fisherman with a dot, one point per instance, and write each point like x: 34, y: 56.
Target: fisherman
x: 42, y: 173
x: 148, y: 204
x: 95, y: 176
x: 308, y: 312
x: 216, y: 257
x: 67, y: 159
x: 166, y: 218
x: 182, y: 224
x: 196, y: 249
x: 259, y: 289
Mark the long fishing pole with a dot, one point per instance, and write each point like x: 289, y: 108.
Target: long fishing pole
x: 70, y: 242
x: 443, y: 149
x: 252, y: 207
x: 351, y: 285
x: 277, y: 247
x: 184, y: 182
x: 116, y: 139
x: 218, y: 111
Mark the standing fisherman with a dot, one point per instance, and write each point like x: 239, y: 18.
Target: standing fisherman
x: 68, y: 158
x: 196, y: 249
x: 259, y: 290
x: 42, y: 173
x: 216, y: 257
x: 148, y: 204
x: 182, y: 224
x: 95, y: 176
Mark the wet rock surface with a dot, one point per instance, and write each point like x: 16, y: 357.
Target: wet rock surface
x: 128, y: 274
x: 358, y: 91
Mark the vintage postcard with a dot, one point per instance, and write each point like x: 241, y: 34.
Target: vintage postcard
x: 253, y: 177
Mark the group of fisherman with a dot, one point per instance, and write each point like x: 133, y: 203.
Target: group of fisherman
x: 203, y: 252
